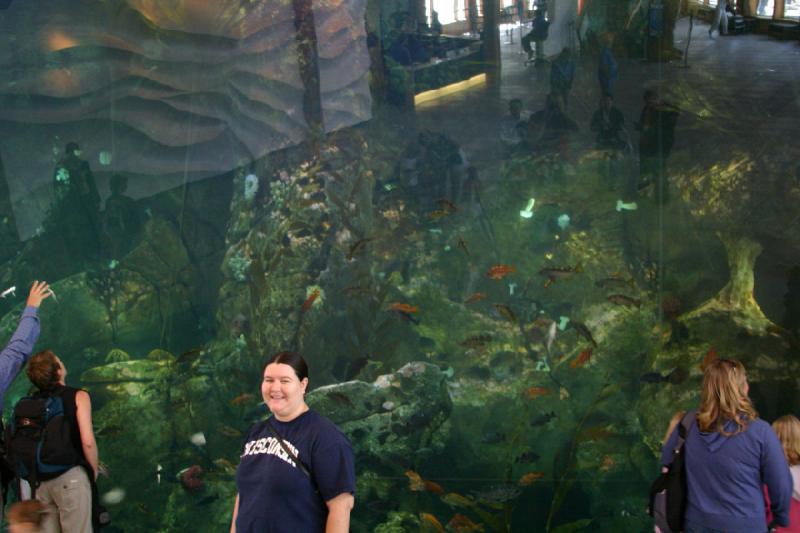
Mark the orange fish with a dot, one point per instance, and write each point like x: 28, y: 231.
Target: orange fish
x: 447, y: 205
x: 709, y: 358
x: 529, y: 478
x: 596, y: 433
x: 433, y: 487
x: 428, y: 521
x: 415, y: 481
x: 498, y: 272
x: 243, y: 399
x: 535, y: 392
x: 404, y: 308
x: 476, y: 297
x: 310, y: 300
x: 462, y: 524
x: 582, y: 359
x: 436, y: 215
x: 608, y: 463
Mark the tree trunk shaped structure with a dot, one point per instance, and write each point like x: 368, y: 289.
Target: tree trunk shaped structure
x: 736, y: 297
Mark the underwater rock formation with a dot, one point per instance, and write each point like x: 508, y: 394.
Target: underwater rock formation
x: 147, y: 411
x: 393, y: 418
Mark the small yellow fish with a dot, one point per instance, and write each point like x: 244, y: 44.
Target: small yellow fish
x: 225, y: 465
x: 498, y: 272
x: 457, y: 500
x: 433, y: 487
x: 476, y: 297
x: 229, y: 431
x: 243, y: 399
x: 415, y: 481
x: 535, y: 392
x: 403, y: 307
x: 430, y: 522
x: 462, y: 524
x: 529, y: 478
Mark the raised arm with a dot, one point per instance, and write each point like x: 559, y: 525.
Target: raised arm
x: 19, y: 348
x: 84, y: 414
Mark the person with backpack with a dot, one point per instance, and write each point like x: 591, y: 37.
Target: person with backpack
x: 63, y: 467
x: 729, y: 453
x: 16, y: 354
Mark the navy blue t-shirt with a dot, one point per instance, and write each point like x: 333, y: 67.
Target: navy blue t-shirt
x: 275, y: 496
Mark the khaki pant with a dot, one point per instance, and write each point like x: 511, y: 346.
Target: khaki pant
x: 68, y: 499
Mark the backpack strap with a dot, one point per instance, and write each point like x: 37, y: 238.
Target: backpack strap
x: 683, y: 429
x: 292, y: 455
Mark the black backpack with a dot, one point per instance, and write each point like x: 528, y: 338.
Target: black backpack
x: 668, y: 491
x: 39, y: 438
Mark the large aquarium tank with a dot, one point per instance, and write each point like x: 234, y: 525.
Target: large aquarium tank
x: 506, y: 238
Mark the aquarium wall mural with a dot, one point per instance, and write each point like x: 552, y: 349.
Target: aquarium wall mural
x: 501, y: 303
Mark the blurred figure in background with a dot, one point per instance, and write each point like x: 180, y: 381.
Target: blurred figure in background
x: 788, y: 430
x: 25, y: 517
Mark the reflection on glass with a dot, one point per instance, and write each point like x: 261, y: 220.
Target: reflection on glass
x: 506, y: 276
x: 765, y: 8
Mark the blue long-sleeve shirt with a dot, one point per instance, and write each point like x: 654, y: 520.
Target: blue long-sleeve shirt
x: 725, y: 477
x: 18, y: 349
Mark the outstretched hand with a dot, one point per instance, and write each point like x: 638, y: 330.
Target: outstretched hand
x: 39, y: 291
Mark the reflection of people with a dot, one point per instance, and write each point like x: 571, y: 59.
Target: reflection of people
x: 122, y: 219
x: 607, y: 66
x: 788, y: 430
x: 76, y: 202
x: 538, y: 34
x: 521, y: 10
x: 609, y: 125
x: 25, y: 517
x: 436, y: 25
x: 68, y: 497
x: 562, y: 72
x: 730, y: 453
x: 555, y: 125
x: 512, y: 126
x: 297, y: 469
x: 657, y: 135
x: 720, y: 19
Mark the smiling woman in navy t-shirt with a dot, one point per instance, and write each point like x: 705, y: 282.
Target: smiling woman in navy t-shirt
x: 275, y: 494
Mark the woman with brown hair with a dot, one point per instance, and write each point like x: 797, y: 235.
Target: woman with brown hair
x: 68, y: 497
x: 730, y: 454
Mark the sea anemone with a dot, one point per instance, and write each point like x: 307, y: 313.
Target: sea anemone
x: 191, y: 478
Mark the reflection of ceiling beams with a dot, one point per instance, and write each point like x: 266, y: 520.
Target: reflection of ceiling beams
x: 196, y: 91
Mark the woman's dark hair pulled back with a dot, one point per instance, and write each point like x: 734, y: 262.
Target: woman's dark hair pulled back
x: 293, y: 359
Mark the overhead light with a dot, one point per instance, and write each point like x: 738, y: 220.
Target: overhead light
x: 433, y: 94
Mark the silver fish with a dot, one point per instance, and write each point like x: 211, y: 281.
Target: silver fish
x: 551, y: 336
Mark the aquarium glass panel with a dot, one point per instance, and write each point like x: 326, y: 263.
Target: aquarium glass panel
x: 509, y: 257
